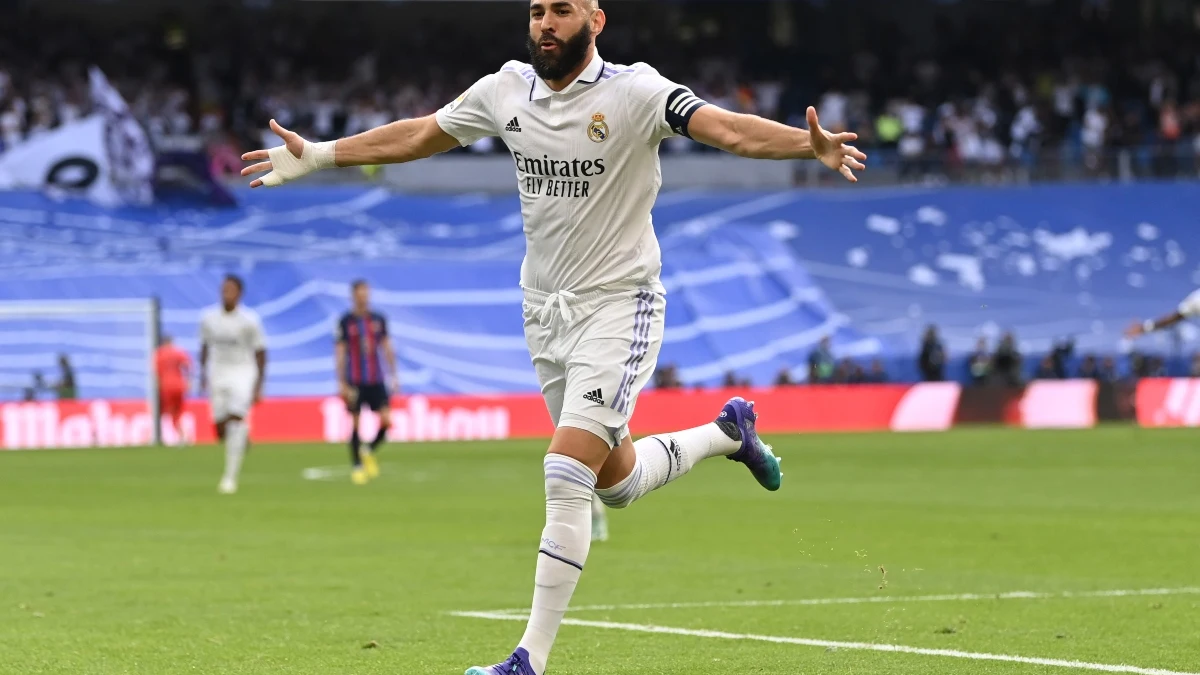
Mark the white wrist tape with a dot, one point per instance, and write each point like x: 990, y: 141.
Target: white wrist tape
x: 1148, y: 326
x: 287, y: 167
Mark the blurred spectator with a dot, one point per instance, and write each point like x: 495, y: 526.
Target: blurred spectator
x: 821, y: 366
x: 65, y: 388
x: 979, y: 363
x: 1088, y: 369
x: 1006, y: 363
x: 1137, y: 364
x: 1046, y: 369
x: 667, y: 377
x: 224, y: 159
x: 1195, y: 369
x: 784, y: 378
x: 1108, y: 370
x: 878, y: 374
x: 39, y: 385
x: 932, y: 361
x: 849, y: 372
x: 1060, y: 356
x: 730, y: 380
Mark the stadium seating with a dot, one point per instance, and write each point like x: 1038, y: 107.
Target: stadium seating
x: 754, y: 280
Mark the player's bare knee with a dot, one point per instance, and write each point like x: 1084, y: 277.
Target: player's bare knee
x: 618, y: 466
x: 587, y: 446
x: 385, y: 417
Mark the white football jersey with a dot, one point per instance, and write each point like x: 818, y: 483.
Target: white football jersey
x: 232, y: 339
x: 587, y: 166
x: 1190, y: 307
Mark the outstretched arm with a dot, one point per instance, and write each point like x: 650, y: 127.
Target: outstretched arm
x: 394, y: 143
x: 1151, y: 325
x: 1189, y: 308
x: 758, y: 138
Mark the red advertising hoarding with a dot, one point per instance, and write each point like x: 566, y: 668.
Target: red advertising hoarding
x: 886, y: 407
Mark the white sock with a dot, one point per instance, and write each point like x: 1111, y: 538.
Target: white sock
x: 236, y: 432
x: 564, y: 550
x: 664, y: 458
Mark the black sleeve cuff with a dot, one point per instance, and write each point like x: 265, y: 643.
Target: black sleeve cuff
x: 681, y: 105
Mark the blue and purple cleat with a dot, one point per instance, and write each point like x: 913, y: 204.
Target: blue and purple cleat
x: 737, y: 421
x: 517, y: 664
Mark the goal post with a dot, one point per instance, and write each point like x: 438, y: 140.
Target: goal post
x: 110, y: 344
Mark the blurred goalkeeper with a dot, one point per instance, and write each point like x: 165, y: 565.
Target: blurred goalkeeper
x: 174, y: 368
x: 584, y: 135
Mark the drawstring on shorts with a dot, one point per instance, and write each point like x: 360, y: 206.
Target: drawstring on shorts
x: 559, y: 298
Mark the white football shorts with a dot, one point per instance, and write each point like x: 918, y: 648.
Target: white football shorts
x: 593, y: 354
x: 232, y: 396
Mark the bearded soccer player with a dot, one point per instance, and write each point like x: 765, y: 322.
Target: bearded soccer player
x: 173, y: 366
x: 361, y: 335
x: 584, y: 135
x: 233, y: 360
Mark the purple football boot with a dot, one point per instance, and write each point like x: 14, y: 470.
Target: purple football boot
x: 737, y: 421
x: 517, y: 664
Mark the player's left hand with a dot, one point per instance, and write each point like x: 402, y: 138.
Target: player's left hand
x: 257, y: 395
x: 832, y: 149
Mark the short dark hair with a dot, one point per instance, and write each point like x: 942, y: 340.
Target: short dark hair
x: 357, y: 284
x: 236, y: 281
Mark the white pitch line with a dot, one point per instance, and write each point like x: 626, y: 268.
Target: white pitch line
x: 325, y: 472
x: 875, y: 599
x: 831, y: 644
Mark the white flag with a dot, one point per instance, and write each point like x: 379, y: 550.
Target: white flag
x: 130, y: 155
x: 71, y: 158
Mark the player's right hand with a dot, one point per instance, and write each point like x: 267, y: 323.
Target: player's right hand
x: 297, y: 157
x: 345, y: 392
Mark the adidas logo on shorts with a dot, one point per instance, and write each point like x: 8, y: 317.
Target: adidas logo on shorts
x: 595, y: 396
x: 513, y: 125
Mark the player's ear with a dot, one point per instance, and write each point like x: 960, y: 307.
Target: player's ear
x: 599, y: 19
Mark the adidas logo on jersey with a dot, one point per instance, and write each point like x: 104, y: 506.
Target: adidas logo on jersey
x: 513, y: 125
x: 595, y: 396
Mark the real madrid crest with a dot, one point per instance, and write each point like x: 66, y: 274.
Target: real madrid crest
x: 598, y: 129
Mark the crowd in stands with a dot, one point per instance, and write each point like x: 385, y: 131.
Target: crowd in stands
x: 1073, y: 84
x: 1004, y: 366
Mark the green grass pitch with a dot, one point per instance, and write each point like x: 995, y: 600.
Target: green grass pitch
x: 127, y: 561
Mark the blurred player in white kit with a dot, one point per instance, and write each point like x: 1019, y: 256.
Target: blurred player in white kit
x: 233, y: 362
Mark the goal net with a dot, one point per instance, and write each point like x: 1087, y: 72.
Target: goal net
x: 78, y: 373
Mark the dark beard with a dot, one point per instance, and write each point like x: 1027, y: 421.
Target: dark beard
x: 571, y: 54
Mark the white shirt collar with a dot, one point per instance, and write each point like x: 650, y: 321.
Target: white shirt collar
x: 590, y: 75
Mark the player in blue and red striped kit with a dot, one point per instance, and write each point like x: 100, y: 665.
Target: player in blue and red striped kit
x: 362, y: 336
